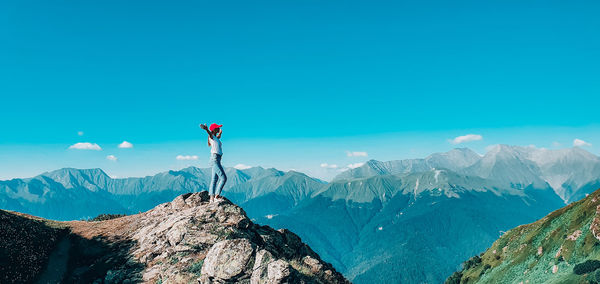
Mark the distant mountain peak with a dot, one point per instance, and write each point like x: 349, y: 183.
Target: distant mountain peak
x: 454, y: 160
x: 583, y: 152
x: 92, y: 179
x: 74, y: 171
x: 504, y: 149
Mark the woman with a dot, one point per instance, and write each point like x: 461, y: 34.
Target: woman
x: 218, y: 174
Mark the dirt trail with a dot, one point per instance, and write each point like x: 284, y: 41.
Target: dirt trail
x: 57, y: 263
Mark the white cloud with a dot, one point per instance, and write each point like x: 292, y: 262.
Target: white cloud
x: 111, y: 158
x: 85, y: 146
x: 355, y: 165
x: 580, y: 143
x: 126, y: 145
x: 328, y: 166
x: 466, y: 138
x: 556, y: 144
x: 356, y: 154
x: 242, y: 167
x: 186, y: 157
x: 80, y: 133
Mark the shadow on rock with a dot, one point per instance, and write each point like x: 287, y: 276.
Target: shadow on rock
x: 102, y: 260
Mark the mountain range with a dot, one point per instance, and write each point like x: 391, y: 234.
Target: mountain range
x: 571, y: 172
x: 69, y: 194
x: 408, y: 221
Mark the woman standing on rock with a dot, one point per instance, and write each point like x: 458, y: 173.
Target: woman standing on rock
x: 218, y: 174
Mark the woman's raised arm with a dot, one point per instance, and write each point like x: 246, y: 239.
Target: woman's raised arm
x: 203, y: 126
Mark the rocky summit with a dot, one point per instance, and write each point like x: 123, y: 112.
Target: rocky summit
x: 188, y: 240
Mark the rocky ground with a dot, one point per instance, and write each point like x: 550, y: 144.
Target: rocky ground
x: 187, y: 240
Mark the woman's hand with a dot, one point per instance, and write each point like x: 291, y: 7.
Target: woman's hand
x: 203, y: 126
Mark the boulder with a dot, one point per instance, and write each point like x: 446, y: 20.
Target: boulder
x: 176, y: 233
x: 259, y: 271
x: 314, y: 264
x: 227, y: 259
x: 268, y: 270
x: 278, y: 271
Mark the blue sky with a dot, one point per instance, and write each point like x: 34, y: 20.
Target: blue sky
x: 296, y: 83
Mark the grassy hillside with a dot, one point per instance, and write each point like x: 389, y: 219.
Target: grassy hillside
x: 563, y: 247
x: 25, y: 245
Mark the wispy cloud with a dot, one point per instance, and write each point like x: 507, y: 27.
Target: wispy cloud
x: 125, y: 145
x: 85, y: 146
x: 355, y: 165
x: 356, y: 154
x: 186, y: 157
x: 556, y: 144
x: 80, y: 133
x: 242, y: 167
x: 580, y: 143
x: 466, y: 138
x: 111, y: 158
x: 328, y: 166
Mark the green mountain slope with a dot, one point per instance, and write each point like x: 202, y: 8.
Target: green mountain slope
x: 563, y: 247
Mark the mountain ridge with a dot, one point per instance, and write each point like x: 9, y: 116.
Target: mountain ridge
x: 348, y: 221
x: 182, y: 241
x: 43, y: 194
x: 562, y: 247
x: 565, y: 170
x: 381, y: 214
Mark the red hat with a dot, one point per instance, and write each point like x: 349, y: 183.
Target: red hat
x: 214, y: 126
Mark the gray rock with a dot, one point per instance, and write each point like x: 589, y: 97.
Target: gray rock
x: 151, y: 274
x: 227, y: 259
x: 259, y: 271
x: 314, y: 264
x: 175, y: 235
x: 263, y: 257
x: 278, y: 271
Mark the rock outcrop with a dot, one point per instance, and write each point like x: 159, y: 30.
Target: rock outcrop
x: 190, y: 240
